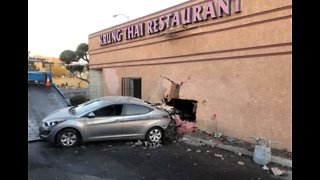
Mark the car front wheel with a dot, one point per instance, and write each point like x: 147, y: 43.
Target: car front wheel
x: 68, y: 138
x: 154, y: 134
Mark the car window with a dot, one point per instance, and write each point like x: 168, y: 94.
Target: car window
x: 86, y: 107
x: 111, y: 110
x: 134, y: 109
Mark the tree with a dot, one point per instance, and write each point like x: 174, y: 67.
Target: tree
x: 82, y: 52
x: 69, y: 56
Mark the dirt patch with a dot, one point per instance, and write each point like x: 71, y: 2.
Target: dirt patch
x: 72, y: 82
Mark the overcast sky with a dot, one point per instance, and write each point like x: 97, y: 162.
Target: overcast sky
x: 58, y: 25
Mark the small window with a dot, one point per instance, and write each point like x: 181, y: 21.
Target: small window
x: 133, y: 109
x: 131, y: 87
x: 113, y: 110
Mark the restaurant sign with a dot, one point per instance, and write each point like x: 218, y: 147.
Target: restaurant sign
x: 189, y: 15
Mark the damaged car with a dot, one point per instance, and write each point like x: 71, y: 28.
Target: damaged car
x: 106, y: 118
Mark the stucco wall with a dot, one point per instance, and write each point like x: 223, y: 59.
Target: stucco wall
x: 240, y: 68
x: 249, y: 97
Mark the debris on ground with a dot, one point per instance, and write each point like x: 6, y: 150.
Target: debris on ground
x: 139, y: 143
x: 240, y: 154
x: 192, y: 141
x: 262, y: 151
x: 188, y: 150
x: 129, y: 143
x: 240, y: 163
x: 218, y: 155
x: 153, y: 144
x: 146, y: 143
x: 230, y: 140
x: 109, y: 146
x: 198, y: 151
x: 276, y: 171
x: 83, y: 147
x: 76, y: 152
x: 218, y: 134
x: 202, y: 143
x: 265, y: 168
x: 247, y: 145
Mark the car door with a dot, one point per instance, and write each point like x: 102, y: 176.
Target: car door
x: 106, y: 124
x: 136, y: 120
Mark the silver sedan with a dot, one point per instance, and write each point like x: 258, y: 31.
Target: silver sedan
x: 106, y: 118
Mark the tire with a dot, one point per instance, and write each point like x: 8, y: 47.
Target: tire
x: 154, y: 134
x: 68, y: 138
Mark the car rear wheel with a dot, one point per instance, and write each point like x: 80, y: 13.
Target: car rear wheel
x: 68, y: 138
x: 154, y: 134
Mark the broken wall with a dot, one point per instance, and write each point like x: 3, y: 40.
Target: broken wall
x: 247, y: 96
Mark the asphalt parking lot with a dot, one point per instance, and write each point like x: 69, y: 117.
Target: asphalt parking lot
x: 120, y: 160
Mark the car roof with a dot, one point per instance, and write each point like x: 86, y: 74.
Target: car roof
x: 122, y: 99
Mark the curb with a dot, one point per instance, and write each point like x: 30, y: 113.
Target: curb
x: 274, y: 159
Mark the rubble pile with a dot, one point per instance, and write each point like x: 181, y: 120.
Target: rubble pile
x: 183, y: 126
x: 145, y: 144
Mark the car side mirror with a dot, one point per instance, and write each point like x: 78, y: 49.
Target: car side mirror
x: 91, y: 115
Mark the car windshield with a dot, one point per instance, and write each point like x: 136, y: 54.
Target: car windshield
x: 85, y: 107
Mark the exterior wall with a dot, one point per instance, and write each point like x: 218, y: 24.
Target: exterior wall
x: 96, y: 85
x: 55, y: 61
x: 240, y: 68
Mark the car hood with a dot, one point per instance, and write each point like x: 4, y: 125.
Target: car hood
x: 60, y: 114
